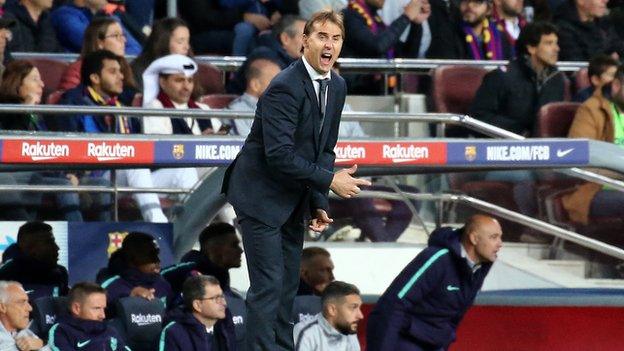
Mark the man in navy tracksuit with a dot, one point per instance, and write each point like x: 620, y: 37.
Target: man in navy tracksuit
x: 205, y: 323
x: 424, y: 305
x: 85, y: 328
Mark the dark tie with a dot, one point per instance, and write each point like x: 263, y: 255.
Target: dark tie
x: 322, y: 91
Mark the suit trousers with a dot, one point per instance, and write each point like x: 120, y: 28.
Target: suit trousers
x: 273, y: 258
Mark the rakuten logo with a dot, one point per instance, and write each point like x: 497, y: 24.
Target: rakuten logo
x: 348, y: 153
x: 399, y: 153
x: 145, y: 319
x: 107, y: 152
x: 40, y: 152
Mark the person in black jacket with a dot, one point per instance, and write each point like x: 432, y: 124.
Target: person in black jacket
x: 205, y: 323
x: 85, y: 328
x: 425, y: 303
x: 585, y: 31
x: 510, y: 98
x: 33, y: 30
x: 34, y: 263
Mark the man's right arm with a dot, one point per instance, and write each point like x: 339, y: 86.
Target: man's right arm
x: 58, y: 340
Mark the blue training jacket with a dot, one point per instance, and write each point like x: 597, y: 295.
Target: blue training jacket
x: 422, y: 307
x: 77, y: 334
x: 185, y: 333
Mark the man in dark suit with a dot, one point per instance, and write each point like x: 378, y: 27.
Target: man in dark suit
x: 284, y: 173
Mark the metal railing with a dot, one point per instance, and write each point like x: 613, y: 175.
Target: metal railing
x: 397, y: 65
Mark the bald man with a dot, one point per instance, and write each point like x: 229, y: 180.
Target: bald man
x: 258, y: 75
x: 423, y: 306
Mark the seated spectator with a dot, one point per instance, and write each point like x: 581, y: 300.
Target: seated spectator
x: 204, y: 324
x: 5, y: 38
x: 423, y: 306
x: 22, y: 84
x: 140, y: 272
x: 601, y: 71
x: 598, y: 118
x: 309, y: 7
x: 71, y: 20
x: 508, y: 16
x: 169, y: 83
x: 283, y: 45
x: 102, y: 82
x: 33, y: 31
x: 14, y: 311
x: 142, y: 13
x: 246, y: 31
x: 317, y: 271
x: 85, y: 327
x: 335, y: 328
x: 533, y: 75
x: 169, y: 36
x: 103, y: 33
x: 212, y: 25
x: 117, y: 9
x: 585, y: 31
x: 258, y: 75
x: 34, y: 263
x: 219, y: 251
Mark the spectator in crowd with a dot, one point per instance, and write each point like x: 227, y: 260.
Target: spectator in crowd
x: 140, y: 272
x: 309, y: 7
x: 282, y: 45
x: 425, y: 303
x: 533, y: 75
x: 5, y: 37
x: 212, y: 25
x: 334, y: 328
x: 169, y: 36
x: 103, y: 33
x: 142, y: 13
x: 117, y: 9
x: 598, y: 118
x: 601, y: 72
x: 169, y: 82
x: 585, y: 31
x: 245, y: 32
x: 509, y: 19
x: 205, y: 323
x: 14, y: 311
x: 85, y: 327
x: 22, y: 84
x: 258, y: 75
x: 34, y: 262
x: 317, y: 271
x: 71, y: 20
x: 219, y: 251
x: 33, y: 31
x: 102, y: 82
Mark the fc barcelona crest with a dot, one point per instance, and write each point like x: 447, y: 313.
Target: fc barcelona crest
x: 470, y: 152
x: 178, y: 151
x: 114, y: 241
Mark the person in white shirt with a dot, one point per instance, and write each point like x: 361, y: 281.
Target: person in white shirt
x: 14, y: 322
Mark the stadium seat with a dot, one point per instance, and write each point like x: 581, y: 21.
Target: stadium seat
x: 454, y: 87
x: 210, y: 79
x: 54, y: 97
x: 217, y: 101
x: 554, y: 119
x: 237, y: 308
x: 139, y: 322
x: 305, y: 307
x: 45, y: 312
x: 51, y: 72
x: 581, y: 80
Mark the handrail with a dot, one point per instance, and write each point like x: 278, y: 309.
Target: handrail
x: 502, y: 212
x: 232, y: 63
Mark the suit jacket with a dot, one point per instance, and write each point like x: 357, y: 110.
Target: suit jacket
x: 286, y: 164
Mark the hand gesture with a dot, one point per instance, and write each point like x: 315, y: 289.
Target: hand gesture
x: 418, y: 11
x: 261, y: 22
x: 25, y: 343
x: 139, y: 291
x: 344, y: 185
x: 321, y: 222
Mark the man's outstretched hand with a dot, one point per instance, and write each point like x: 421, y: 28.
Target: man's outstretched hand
x: 344, y: 185
x: 320, y: 222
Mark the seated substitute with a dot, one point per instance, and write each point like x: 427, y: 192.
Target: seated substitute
x: 14, y: 310
x: 85, y: 327
x: 205, y: 323
x: 335, y: 328
x: 317, y: 271
x: 425, y: 303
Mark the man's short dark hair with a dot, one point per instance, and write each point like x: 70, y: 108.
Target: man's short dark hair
x: 531, y: 35
x: 619, y: 74
x: 599, y: 65
x: 214, y: 233
x: 286, y: 25
x: 80, y: 291
x: 30, y: 232
x: 140, y: 248
x: 255, y: 67
x: 194, y: 288
x: 310, y: 252
x: 322, y: 17
x: 94, y: 62
x: 337, y: 290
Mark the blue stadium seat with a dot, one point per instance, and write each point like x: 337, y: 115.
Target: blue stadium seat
x: 45, y: 313
x: 237, y: 308
x: 139, y: 322
x: 305, y: 307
